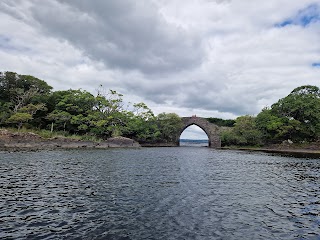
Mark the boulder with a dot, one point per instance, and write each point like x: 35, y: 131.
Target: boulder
x: 121, y: 142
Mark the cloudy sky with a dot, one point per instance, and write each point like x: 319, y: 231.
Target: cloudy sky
x: 213, y: 58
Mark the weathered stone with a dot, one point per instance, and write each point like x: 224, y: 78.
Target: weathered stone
x: 30, y: 141
x: 210, y: 129
x: 122, y: 142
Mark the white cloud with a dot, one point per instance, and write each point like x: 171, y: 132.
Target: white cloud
x: 210, y: 58
x: 194, y: 132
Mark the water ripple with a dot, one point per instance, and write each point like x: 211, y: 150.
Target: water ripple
x: 158, y: 193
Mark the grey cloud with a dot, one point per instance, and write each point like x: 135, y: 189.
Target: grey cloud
x: 156, y: 91
x: 138, y: 49
x: 126, y: 35
x: 206, y: 94
x: 222, y: 102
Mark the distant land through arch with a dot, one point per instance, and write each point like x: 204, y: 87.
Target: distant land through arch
x: 210, y: 129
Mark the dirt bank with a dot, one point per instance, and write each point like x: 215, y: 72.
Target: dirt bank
x: 303, y: 150
x: 16, y: 141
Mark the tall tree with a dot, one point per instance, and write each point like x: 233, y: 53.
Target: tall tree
x: 300, y: 113
x: 169, y: 126
x: 244, y: 133
x: 19, y: 118
x: 10, y: 82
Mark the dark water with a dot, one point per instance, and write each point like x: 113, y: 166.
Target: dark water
x: 158, y: 193
x: 194, y: 143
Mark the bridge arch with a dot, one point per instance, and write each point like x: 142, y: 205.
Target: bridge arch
x: 210, y: 129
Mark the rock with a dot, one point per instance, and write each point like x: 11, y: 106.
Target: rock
x: 122, y: 142
x: 286, y: 142
x: 31, y: 141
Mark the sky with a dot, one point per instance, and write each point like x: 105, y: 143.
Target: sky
x: 212, y: 58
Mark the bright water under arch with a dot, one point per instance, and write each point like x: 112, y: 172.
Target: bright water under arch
x: 194, y: 136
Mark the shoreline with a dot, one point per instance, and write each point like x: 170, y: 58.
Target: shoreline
x: 28, y: 141
x: 15, y: 141
x: 290, y: 151
x: 57, y: 145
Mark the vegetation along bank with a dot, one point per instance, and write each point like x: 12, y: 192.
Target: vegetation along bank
x: 28, y: 104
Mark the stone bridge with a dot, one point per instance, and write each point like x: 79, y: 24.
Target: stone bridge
x: 210, y: 129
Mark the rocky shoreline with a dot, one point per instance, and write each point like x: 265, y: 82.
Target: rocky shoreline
x: 32, y: 142
x: 17, y: 141
x: 159, y: 144
x: 307, y: 150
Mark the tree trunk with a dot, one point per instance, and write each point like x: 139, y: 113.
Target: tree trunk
x: 19, y: 126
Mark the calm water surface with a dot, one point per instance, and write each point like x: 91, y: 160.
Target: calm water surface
x: 158, y: 193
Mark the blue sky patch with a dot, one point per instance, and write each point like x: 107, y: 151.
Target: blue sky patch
x: 7, y: 45
x: 4, y: 40
x: 304, y: 17
x: 316, y: 64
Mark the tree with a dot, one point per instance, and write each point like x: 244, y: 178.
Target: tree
x: 109, y: 103
x: 169, y: 125
x: 61, y: 118
x: 109, y: 117
x: 66, y: 105
x: 18, y: 91
x: 8, y: 82
x: 221, y: 122
x: 30, y: 82
x: 295, y: 117
x: 141, y: 125
x: 75, y: 102
x: 5, y: 112
x: 244, y: 133
x: 275, y: 128
x: 24, y: 98
x: 19, y: 118
x: 245, y: 128
x: 11, y: 81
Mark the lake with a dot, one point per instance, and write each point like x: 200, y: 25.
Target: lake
x: 193, y: 143
x: 158, y: 193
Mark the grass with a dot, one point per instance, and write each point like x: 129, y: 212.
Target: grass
x: 60, y: 134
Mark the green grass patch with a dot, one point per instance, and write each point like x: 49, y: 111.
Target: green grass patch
x: 59, y: 134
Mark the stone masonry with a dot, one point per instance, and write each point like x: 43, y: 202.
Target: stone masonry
x: 210, y: 129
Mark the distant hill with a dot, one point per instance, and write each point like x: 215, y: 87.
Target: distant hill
x: 194, y: 141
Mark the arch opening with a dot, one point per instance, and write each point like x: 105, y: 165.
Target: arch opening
x: 195, y: 136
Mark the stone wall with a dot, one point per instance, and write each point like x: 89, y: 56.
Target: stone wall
x: 210, y: 129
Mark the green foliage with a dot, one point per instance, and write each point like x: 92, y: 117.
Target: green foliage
x: 32, y: 109
x: 169, y: 125
x: 295, y: 117
x: 10, y: 82
x: 46, y: 134
x: 229, y: 138
x: 244, y: 133
x: 245, y: 128
x: 60, y: 118
x: 142, y: 130
x: 75, y: 102
x: 275, y: 128
x: 5, y: 112
x: 221, y: 122
x: 29, y: 82
x: 29, y: 101
x: 19, y: 118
